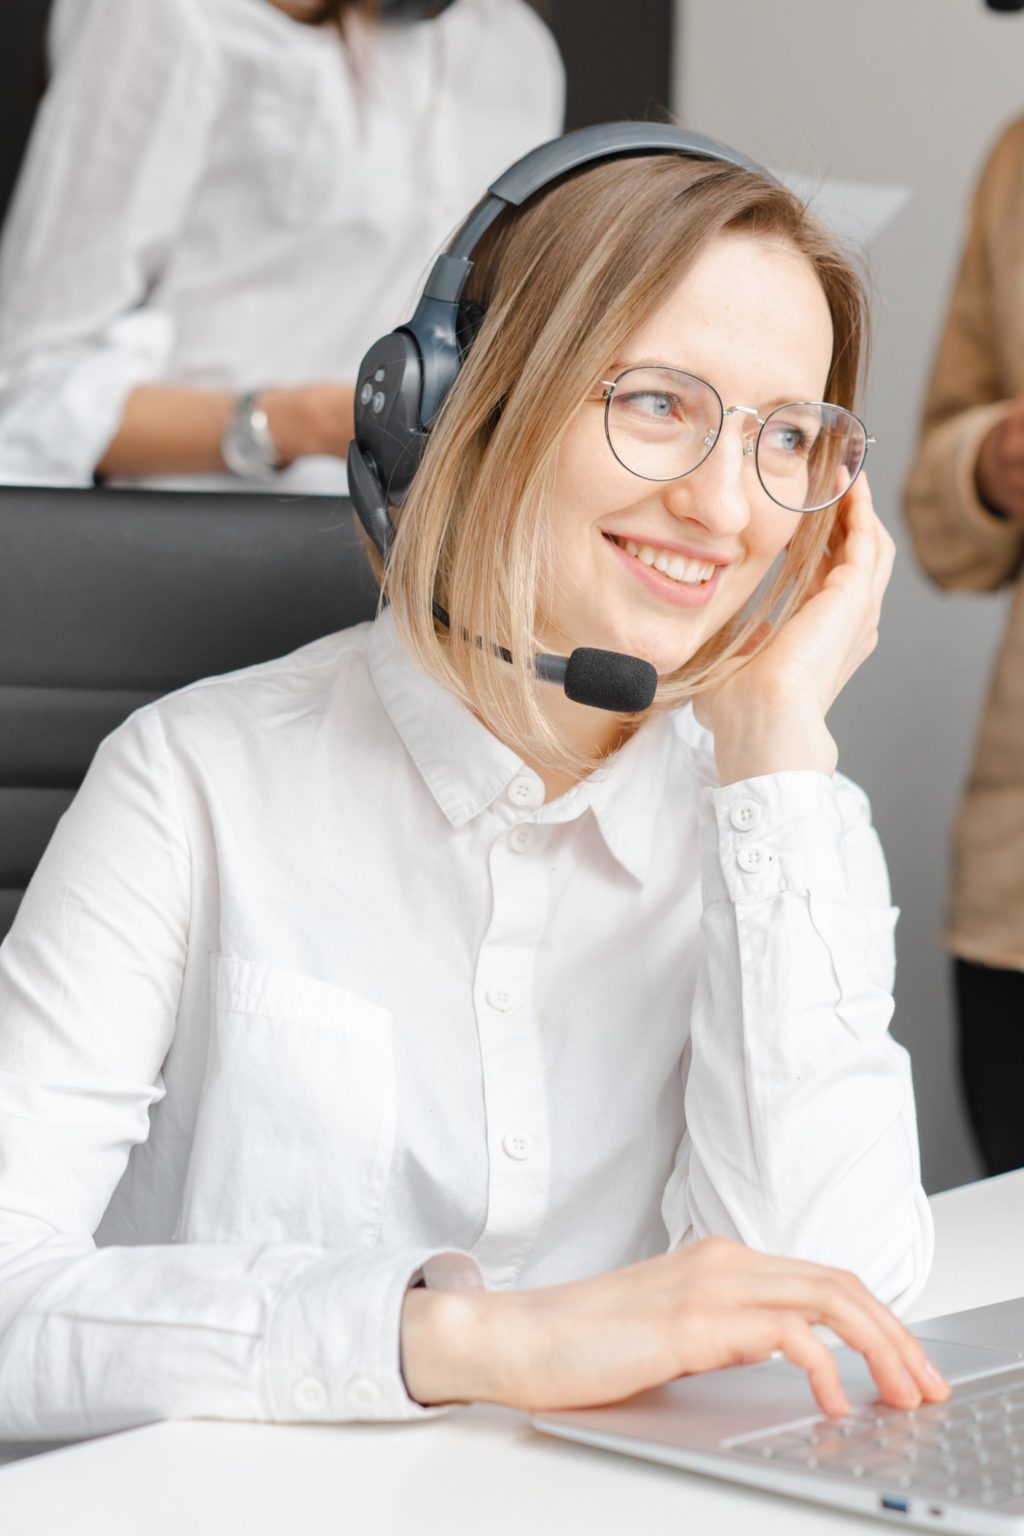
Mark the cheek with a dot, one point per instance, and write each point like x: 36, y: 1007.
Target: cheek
x: 770, y: 535
x: 588, y: 481
x: 772, y: 530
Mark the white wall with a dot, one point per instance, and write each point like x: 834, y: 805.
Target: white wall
x: 909, y: 91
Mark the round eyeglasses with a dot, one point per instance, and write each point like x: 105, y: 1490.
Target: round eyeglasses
x: 661, y: 424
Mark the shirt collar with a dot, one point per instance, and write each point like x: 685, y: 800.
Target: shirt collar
x: 626, y: 795
x: 465, y: 767
x: 462, y: 764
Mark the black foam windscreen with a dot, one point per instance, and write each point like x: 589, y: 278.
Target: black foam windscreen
x: 610, y: 680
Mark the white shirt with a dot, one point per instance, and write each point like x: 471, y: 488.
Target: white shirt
x: 211, y: 199
x: 311, y: 991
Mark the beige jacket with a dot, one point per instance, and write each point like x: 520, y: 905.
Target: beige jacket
x: 979, y: 369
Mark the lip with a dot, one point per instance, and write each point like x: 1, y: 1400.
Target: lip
x: 688, y: 551
x: 664, y: 587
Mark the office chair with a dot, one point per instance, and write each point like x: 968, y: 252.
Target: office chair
x: 110, y: 598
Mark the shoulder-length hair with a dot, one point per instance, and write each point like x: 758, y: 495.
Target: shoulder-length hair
x: 563, y: 283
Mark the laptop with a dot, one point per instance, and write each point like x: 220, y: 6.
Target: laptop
x: 955, y: 1466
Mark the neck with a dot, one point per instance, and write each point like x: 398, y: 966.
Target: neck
x: 593, y: 733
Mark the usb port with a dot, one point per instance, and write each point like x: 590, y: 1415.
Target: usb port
x: 899, y: 1505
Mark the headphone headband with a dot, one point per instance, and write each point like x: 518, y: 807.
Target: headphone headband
x: 405, y: 377
x: 550, y: 162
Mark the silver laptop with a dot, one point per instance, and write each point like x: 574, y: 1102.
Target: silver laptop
x: 956, y: 1466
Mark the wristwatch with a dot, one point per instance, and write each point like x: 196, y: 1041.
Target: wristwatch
x: 247, y: 445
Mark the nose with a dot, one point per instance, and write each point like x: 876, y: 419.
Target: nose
x: 717, y: 494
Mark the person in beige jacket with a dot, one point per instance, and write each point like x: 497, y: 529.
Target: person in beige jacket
x: 965, y: 507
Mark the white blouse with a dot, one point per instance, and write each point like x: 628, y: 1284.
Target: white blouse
x: 217, y: 196
x: 312, y: 994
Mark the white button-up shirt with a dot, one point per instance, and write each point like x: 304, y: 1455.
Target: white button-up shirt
x: 312, y: 993
x: 217, y: 196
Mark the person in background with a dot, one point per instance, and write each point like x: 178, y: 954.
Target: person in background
x: 965, y: 507
x: 222, y: 203
x: 411, y: 1032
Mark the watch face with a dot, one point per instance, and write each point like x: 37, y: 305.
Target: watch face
x: 247, y: 447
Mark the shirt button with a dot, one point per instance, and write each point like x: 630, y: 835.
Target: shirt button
x: 499, y: 998
x: 517, y: 1145
x: 754, y: 858
x: 362, y: 1392
x: 310, y: 1395
x: 520, y: 838
x: 527, y: 793
x: 745, y: 815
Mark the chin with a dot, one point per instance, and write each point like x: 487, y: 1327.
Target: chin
x: 664, y: 657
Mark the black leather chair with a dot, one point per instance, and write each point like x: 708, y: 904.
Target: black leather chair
x: 110, y: 598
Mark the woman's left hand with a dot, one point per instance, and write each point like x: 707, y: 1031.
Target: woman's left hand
x: 768, y: 714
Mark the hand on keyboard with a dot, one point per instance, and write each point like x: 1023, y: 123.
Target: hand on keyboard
x: 599, y: 1340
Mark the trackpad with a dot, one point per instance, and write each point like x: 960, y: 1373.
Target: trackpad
x: 957, y: 1362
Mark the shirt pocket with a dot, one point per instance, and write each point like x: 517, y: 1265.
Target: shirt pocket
x: 295, y: 1131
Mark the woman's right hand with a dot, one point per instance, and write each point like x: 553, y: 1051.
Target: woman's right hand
x: 309, y: 419
x: 597, y: 1341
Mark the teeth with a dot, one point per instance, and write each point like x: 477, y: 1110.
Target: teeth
x: 691, y: 572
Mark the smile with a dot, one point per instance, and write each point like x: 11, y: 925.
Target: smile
x: 690, y: 573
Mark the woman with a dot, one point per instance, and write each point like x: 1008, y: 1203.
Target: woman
x: 461, y: 1035
x: 222, y: 204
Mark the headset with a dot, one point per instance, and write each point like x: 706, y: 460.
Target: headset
x: 406, y: 376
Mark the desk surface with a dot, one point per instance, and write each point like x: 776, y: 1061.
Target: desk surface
x: 477, y: 1467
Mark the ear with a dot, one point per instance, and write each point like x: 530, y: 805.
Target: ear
x: 471, y: 318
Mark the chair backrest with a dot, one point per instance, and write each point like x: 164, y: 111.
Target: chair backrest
x: 110, y: 598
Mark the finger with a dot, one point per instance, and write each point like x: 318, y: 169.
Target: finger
x: 912, y: 1352
x: 825, y: 1301
x: 758, y: 1333
x: 896, y: 1359
x: 804, y: 1349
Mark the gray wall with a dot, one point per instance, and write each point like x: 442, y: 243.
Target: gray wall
x: 909, y: 91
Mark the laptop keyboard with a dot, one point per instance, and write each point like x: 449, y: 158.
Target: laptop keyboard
x: 969, y: 1450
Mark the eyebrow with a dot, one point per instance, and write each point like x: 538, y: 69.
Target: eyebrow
x: 621, y: 364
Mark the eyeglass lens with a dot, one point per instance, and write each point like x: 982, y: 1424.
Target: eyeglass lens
x: 662, y: 424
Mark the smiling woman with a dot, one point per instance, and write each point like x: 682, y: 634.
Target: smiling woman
x: 408, y: 1031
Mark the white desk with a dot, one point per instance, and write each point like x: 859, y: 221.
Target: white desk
x: 477, y: 1469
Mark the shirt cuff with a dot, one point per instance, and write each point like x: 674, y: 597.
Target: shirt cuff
x: 332, y: 1349
x: 778, y: 832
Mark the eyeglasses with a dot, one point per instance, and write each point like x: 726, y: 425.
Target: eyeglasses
x: 661, y: 424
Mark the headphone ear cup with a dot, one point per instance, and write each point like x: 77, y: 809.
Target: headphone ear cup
x: 471, y: 318
x: 388, y: 430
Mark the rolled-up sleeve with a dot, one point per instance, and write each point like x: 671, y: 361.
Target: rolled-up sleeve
x: 119, y: 142
x: 801, y: 1136
x: 96, y: 1339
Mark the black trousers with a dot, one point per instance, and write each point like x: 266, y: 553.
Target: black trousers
x: 990, y: 1009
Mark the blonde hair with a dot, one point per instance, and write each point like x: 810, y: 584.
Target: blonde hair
x: 563, y: 283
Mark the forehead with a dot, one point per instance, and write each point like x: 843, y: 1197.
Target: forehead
x: 751, y: 316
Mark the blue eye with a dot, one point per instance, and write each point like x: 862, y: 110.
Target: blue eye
x: 789, y: 440
x: 654, y: 404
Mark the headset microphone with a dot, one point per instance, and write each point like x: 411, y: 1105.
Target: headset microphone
x: 602, y: 679
x: 405, y: 377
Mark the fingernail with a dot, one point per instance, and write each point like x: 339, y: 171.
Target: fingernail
x: 934, y: 1377
x: 911, y: 1385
